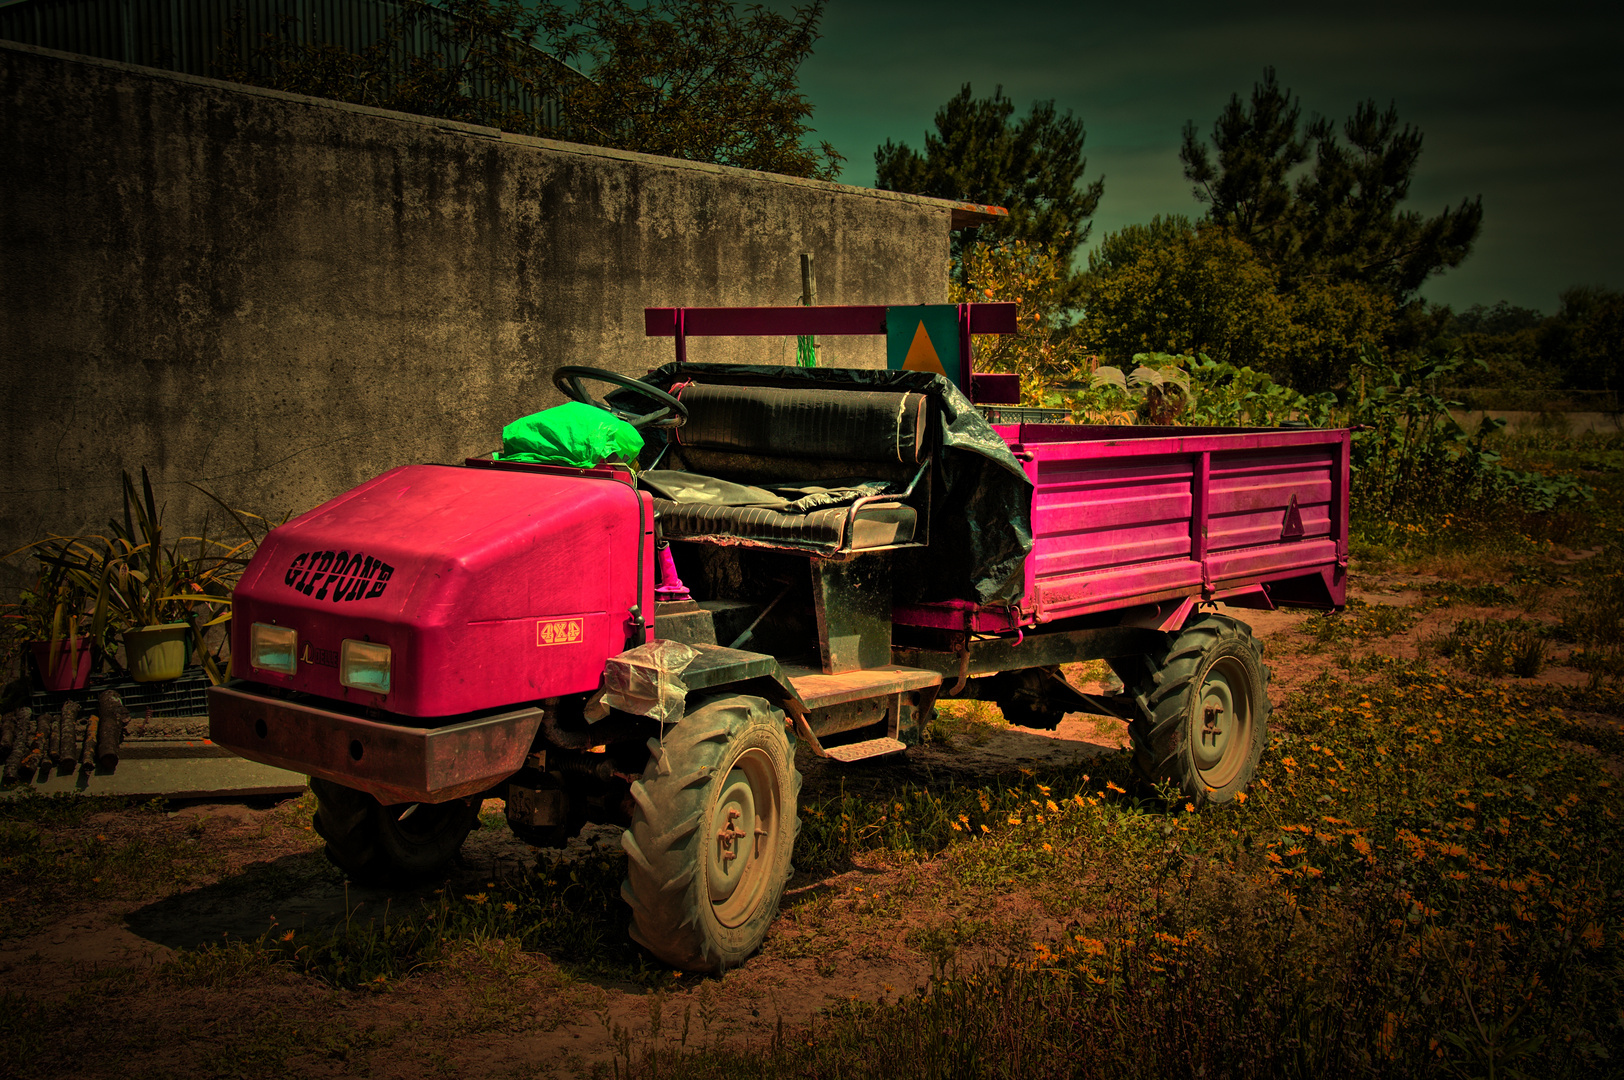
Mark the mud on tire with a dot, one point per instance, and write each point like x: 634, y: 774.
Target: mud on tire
x: 372, y: 842
x: 713, y: 827
x: 1208, y: 705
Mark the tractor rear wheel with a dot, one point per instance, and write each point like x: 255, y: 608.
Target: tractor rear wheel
x: 713, y: 825
x: 370, y: 842
x: 1208, y: 705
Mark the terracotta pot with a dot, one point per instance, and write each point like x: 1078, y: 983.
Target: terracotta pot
x: 156, y: 653
x: 69, y: 675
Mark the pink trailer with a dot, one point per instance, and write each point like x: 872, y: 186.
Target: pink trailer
x: 802, y: 556
x: 1130, y: 516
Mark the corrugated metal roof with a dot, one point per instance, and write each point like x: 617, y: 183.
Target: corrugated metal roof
x: 188, y: 35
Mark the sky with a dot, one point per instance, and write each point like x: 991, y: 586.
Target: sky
x: 1522, y: 104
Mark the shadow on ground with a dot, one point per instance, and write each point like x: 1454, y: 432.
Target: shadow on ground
x: 302, y: 891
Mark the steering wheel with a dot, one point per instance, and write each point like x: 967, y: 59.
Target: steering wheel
x: 673, y: 414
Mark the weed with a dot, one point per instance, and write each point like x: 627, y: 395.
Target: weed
x: 41, y: 861
x: 1493, y: 647
x: 25, y: 1026
x: 1360, y: 621
x: 966, y: 719
x: 1478, y: 595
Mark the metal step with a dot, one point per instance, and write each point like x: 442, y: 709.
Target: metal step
x: 869, y: 748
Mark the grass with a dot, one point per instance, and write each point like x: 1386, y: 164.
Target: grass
x: 963, y: 721
x: 47, y: 850
x: 573, y: 913
x: 1423, y: 881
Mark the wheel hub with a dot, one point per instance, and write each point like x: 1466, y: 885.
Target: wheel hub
x: 742, y: 838
x: 1224, y: 710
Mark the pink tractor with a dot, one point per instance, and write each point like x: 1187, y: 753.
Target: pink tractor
x: 799, y: 555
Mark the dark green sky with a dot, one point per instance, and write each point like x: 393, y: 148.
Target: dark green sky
x: 1523, y: 104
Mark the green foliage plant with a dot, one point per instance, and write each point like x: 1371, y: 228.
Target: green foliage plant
x: 1182, y: 288
x: 1164, y: 388
x: 1413, y: 462
x: 1158, y: 395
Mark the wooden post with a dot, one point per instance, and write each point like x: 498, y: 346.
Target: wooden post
x: 806, y: 346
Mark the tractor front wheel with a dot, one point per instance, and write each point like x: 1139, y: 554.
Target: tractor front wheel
x: 713, y: 825
x: 1208, y: 705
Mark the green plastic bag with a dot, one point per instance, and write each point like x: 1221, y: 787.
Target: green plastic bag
x: 570, y: 434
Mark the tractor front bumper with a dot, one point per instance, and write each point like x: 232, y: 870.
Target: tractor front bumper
x: 394, y: 762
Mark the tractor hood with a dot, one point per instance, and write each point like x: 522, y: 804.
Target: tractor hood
x: 491, y: 586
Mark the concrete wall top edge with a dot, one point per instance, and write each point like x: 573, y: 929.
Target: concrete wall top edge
x: 945, y: 206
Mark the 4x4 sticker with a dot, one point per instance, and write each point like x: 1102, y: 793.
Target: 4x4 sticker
x: 343, y: 575
x: 560, y: 631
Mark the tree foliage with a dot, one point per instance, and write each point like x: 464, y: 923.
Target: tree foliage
x: 1183, y: 291
x: 1043, y: 349
x: 696, y: 79
x: 1584, y: 340
x: 980, y: 153
x: 1304, y: 257
x: 1341, y: 220
x: 1174, y: 287
x: 477, y: 67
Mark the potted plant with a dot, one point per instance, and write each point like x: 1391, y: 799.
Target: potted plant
x: 49, y: 621
x: 160, y: 597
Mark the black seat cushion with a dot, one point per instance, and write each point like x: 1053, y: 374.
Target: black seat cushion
x: 812, y: 517
x: 806, y: 422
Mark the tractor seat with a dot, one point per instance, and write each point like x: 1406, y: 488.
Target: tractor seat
x: 803, y: 469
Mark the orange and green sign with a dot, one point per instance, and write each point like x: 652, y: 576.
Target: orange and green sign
x: 924, y: 338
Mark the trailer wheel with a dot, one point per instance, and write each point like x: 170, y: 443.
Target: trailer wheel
x: 1208, y: 701
x: 713, y: 825
x: 369, y: 841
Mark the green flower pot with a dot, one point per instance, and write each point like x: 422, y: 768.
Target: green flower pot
x: 156, y: 653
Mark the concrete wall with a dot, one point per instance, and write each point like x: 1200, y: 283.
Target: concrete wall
x: 278, y: 297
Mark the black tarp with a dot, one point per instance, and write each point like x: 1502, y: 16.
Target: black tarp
x: 981, y: 511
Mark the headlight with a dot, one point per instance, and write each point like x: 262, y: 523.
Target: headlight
x: 364, y: 665
x: 273, y: 648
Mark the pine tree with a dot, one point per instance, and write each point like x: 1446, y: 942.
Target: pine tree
x: 980, y: 153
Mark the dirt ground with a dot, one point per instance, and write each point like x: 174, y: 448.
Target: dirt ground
x: 495, y: 1013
